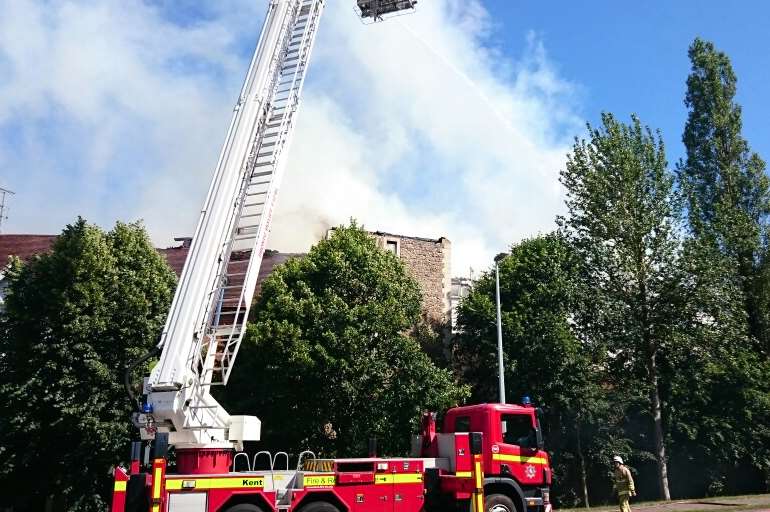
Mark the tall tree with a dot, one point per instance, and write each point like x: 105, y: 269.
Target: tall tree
x: 727, y: 190
x: 621, y: 221
x: 328, y: 352
x: 727, y: 269
x: 74, y: 318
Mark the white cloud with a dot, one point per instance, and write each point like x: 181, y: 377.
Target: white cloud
x: 418, y: 125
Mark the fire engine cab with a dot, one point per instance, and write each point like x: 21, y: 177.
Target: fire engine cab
x: 488, y: 458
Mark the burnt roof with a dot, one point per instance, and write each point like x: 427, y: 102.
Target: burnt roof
x: 26, y: 246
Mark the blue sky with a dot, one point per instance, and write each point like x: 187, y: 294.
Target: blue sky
x: 632, y: 56
x: 453, y: 121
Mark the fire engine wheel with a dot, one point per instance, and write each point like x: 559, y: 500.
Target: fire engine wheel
x: 499, y: 503
x: 319, y: 506
x: 244, y: 507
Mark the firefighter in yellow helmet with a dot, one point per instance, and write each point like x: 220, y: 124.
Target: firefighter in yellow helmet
x: 624, y: 483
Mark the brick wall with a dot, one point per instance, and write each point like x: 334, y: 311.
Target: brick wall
x: 428, y: 261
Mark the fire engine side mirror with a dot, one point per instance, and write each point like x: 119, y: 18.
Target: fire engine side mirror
x: 476, y: 443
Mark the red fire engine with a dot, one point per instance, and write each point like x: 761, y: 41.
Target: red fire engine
x: 488, y: 458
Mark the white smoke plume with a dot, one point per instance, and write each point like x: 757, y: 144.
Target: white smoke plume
x: 419, y: 125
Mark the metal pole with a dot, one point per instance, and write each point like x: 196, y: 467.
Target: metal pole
x: 501, y: 376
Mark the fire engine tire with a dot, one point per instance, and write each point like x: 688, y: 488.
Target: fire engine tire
x: 244, y: 507
x: 319, y: 506
x: 499, y: 503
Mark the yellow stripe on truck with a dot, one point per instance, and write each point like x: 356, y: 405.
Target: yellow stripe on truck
x: 214, y: 483
x: 120, y: 487
x: 398, y: 478
x: 518, y: 458
x: 318, y: 480
x: 156, y: 483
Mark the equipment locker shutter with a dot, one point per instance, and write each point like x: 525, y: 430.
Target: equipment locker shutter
x: 187, y: 502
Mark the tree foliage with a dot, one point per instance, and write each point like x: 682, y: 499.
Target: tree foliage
x: 727, y: 189
x: 621, y: 220
x: 74, y: 318
x: 722, y: 400
x: 328, y: 362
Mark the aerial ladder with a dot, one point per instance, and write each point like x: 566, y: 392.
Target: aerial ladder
x: 207, y: 319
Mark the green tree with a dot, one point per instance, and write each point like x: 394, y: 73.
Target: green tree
x: 721, y: 401
x: 621, y: 220
x: 74, y: 318
x: 327, y: 361
x: 727, y: 190
x: 543, y: 356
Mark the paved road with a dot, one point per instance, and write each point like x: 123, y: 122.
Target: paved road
x: 754, y: 503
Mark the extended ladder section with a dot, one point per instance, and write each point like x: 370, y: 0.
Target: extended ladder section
x: 212, y: 302
x: 238, y: 265
x: 208, y: 314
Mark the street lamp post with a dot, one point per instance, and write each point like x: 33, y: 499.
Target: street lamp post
x: 501, y: 375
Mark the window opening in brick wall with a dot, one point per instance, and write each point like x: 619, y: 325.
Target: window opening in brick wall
x: 392, y: 246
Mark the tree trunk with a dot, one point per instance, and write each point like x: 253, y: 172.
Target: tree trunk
x: 583, y: 477
x: 657, y: 417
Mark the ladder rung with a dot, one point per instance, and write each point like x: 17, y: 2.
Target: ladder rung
x: 229, y: 332
x: 251, y: 205
x: 222, y: 301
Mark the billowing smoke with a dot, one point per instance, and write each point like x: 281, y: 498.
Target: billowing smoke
x: 419, y: 125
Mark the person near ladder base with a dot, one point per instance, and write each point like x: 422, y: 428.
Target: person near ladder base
x: 624, y: 483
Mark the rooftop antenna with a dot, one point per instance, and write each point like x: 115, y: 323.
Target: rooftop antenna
x: 4, y: 192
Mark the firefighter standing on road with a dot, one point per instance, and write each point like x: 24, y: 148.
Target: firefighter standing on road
x: 624, y: 484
